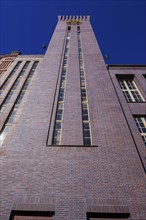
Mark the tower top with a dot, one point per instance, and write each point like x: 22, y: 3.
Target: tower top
x: 73, y: 17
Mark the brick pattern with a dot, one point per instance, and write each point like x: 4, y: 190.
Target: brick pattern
x: 72, y: 175
x: 131, y: 109
x: 32, y: 218
x: 107, y: 206
x: 34, y: 203
x: 14, y: 96
x: 72, y: 124
x: 70, y: 208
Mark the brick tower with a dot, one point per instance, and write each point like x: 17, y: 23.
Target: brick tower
x: 75, y: 148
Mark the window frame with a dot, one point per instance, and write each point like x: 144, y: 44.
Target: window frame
x: 138, y: 120
x: 134, y: 93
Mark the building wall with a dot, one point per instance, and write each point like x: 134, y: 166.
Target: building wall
x: 6, y: 61
x: 133, y: 108
x: 105, y: 177
x: 14, y: 84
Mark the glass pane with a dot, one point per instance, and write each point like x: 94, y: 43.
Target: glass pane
x: 87, y: 141
x: 57, y: 134
x: 58, y: 117
x: 58, y: 126
x: 59, y: 111
x: 144, y: 130
x: 86, y: 125
x: 85, y: 112
x: 84, y: 105
x: 136, y: 96
x: 130, y: 84
x: 85, y: 117
x: 127, y: 96
x: 86, y: 133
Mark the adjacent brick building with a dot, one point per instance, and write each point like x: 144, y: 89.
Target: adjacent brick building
x: 73, y: 132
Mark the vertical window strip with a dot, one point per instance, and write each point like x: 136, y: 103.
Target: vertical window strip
x: 61, y: 97
x: 131, y: 91
x: 10, y: 118
x: 141, y: 125
x: 84, y: 98
x: 10, y: 76
x: 13, y: 88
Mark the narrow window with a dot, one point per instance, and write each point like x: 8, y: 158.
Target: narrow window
x: 108, y: 216
x: 61, y: 97
x: 69, y: 28
x: 10, y: 118
x: 131, y: 91
x: 141, y: 124
x: 13, y: 88
x: 10, y: 76
x: 78, y: 28
x: 32, y: 215
x: 84, y: 98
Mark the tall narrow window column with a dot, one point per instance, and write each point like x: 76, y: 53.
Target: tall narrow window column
x: 61, y: 97
x: 8, y: 79
x: 13, y: 88
x: 84, y: 98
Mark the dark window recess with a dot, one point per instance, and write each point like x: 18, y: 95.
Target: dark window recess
x: 85, y: 112
x: 108, y: 216
x: 69, y: 28
x: 86, y: 133
x: 58, y: 125
x: 10, y: 76
x: 85, y: 118
x: 58, y: 117
x: 86, y: 125
x: 78, y: 28
x: 32, y: 215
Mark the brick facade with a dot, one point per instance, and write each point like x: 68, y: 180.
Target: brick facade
x: 107, y: 177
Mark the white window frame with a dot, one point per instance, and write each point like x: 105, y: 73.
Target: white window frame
x: 129, y: 90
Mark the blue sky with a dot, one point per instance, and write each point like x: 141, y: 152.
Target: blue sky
x: 119, y: 25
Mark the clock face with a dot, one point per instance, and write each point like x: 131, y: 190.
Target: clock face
x: 74, y: 22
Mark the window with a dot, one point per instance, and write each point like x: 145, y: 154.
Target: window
x: 33, y: 207
x: 10, y: 76
x: 69, y: 28
x: 13, y: 88
x: 141, y: 124
x: 84, y: 98
x: 78, y: 28
x: 61, y: 96
x: 108, y: 216
x: 10, y: 118
x: 32, y: 215
x: 130, y: 90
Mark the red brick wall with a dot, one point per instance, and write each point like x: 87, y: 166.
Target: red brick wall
x: 72, y: 175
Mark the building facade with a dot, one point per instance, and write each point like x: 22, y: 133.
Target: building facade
x: 6, y: 61
x: 73, y: 132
